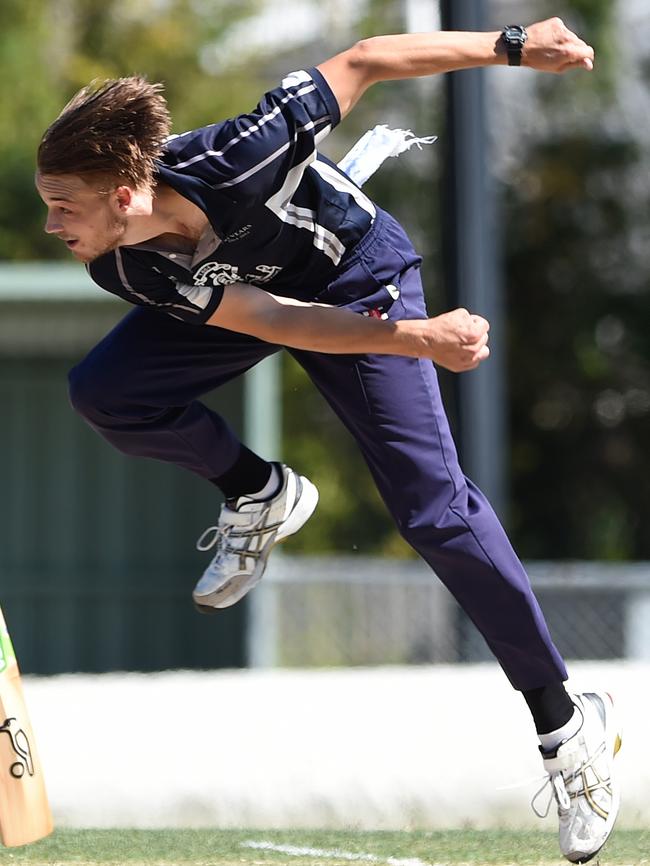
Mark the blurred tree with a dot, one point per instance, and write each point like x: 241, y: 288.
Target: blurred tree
x: 579, y: 304
x: 27, y: 103
x: 49, y: 50
x: 577, y: 240
x: 196, y: 47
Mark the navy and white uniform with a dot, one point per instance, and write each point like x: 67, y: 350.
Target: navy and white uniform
x: 282, y: 216
x: 286, y: 219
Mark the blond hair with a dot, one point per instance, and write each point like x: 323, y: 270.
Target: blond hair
x: 114, y: 130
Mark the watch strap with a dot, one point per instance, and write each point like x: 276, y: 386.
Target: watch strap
x: 514, y: 38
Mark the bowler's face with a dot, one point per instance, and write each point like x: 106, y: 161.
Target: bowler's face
x: 87, y: 219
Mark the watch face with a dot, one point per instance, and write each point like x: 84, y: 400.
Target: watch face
x: 515, y: 33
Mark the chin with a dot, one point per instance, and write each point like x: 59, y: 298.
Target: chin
x: 81, y: 256
x: 86, y: 256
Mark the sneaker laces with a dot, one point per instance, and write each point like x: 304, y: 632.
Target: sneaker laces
x: 558, y: 783
x: 556, y: 791
x: 220, y: 536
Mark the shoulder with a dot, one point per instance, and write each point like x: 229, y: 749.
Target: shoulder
x: 104, y: 270
x: 118, y: 269
x: 180, y: 147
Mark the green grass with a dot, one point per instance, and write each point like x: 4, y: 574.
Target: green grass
x: 225, y: 848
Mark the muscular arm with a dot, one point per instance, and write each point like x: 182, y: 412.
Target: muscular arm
x: 455, y: 340
x: 551, y: 47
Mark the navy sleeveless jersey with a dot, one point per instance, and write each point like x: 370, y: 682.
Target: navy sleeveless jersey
x: 282, y: 216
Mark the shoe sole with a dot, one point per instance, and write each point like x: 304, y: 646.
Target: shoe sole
x: 239, y: 586
x: 614, y: 741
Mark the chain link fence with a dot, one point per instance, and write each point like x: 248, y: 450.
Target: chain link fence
x: 312, y: 611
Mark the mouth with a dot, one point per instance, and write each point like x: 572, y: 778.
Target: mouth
x: 70, y: 244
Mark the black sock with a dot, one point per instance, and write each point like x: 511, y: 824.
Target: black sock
x: 550, y: 706
x: 248, y: 474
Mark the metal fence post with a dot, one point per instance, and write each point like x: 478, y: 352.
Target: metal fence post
x: 263, y: 434
x: 472, y: 262
x: 637, y: 626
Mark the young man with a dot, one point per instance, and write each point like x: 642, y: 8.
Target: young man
x: 240, y: 238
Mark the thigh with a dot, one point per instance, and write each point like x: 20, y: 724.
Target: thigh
x: 163, y: 361
x: 393, y: 407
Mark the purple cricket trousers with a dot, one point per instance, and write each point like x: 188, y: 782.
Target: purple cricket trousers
x: 139, y: 388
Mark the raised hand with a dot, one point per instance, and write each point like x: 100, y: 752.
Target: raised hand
x: 552, y: 47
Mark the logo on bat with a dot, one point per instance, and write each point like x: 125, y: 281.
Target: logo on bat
x: 20, y: 745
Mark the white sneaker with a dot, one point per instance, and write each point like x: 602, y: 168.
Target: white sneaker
x: 244, y: 536
x: 582, y: 779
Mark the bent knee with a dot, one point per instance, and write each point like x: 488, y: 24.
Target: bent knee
x: 90, y: 388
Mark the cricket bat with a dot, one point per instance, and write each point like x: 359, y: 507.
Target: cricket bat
x: 24, y: 809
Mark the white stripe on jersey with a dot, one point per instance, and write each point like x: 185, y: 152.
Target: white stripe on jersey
x: 181, y: 307
x: 246, y: 132
x: 301, y: 217
x: 198, y: 295
x: 260, y: 165
x: 343, y: 184
x: 274, y: 155
x: 122, y: 273
x: 319, y: 136
x: 295, y: 78
x: 324, y: 239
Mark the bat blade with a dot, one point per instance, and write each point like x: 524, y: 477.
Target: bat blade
x: 24, y: 809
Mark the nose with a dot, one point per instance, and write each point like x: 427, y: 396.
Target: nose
x: 52, y: 224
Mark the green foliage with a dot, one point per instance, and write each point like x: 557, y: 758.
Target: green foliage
x: 577, y: 228
x: 579, y: 309
x: 49, y: 50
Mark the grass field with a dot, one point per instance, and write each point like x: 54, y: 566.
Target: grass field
x: 298, y: 848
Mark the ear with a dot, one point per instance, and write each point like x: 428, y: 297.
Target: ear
x: 123, y: 198
x: 132, y: 201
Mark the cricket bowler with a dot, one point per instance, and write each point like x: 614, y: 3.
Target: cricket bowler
x: 240, y: 238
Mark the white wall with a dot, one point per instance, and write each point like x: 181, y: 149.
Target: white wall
x: 430, y: 747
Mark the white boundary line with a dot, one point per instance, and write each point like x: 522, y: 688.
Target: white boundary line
x: 332, y: 854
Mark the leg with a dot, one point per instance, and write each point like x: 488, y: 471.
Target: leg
x: 139, y: 387
x: 392, y: 406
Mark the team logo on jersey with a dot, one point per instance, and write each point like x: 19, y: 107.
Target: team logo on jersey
x: 216, y: 274
x: 265, y: 274
x: 219, y: 274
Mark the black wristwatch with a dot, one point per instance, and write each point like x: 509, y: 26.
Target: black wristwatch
x: 514, y: 38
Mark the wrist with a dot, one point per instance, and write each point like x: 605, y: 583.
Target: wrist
x: 413, y: 337
x: 511, y: 42
x: 499, y: 48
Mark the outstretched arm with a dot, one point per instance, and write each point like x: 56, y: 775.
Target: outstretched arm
x: 454, y: 340
x: 551, y: 47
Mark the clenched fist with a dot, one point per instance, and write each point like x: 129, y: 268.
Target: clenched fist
x: 552, y: 47
x: 458, y: 340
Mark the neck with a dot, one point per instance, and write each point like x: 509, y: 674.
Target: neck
x: 171, y: 214
x: 177, y: 214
